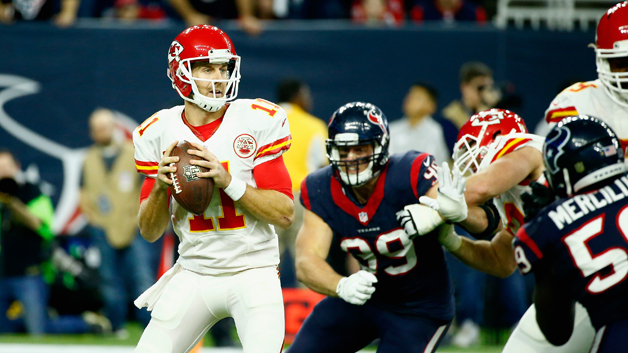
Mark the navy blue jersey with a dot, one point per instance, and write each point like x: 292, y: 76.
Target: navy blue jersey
x: 412, y: 274
x: 583, y: 240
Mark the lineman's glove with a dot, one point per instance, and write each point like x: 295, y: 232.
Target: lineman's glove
x: 539, y: 197
x: 448, y: 238
x: 450, y: 201
x: 357, y: 288
x: 418, y: 219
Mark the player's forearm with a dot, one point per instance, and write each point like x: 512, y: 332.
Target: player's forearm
x: 269, y: 205
x: 154, y: 215
x: 493, y: 257
x: 317, y: 275
x: 476, y: 221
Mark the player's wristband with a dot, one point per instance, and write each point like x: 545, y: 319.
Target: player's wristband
x: 236, y: 189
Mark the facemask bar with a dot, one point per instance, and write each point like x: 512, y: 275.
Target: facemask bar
x: 613, y: 80
x: 466, y: 153
x: 212, y: 103
x: 352, y: 139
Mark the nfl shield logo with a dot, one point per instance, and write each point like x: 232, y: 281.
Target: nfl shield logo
x: 364, y: 217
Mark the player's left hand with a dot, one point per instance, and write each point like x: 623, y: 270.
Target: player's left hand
x: 533, y: 202
x: 206, y: 159
x: 450, y: 201
x: 417, y: 219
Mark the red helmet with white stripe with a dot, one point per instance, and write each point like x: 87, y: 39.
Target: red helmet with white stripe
x: 209, y: 44
x: 611, y: 42
x: 479, y: 132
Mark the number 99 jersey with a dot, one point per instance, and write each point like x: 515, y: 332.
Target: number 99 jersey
x: 226, y: 238
x: 412, y: 274
x: 583, y: 240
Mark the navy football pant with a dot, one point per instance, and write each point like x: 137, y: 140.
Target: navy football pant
x: 335, y: 326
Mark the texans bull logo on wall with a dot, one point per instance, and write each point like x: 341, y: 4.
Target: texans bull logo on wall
x: 68, y: 218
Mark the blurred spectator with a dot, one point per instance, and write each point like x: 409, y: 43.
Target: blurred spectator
x: 197, y: 12
x: 129, y: 10
x: 326, y: 9
x: 374, y: 12
x: 477, y: 90
x: 110, y: 194
x: 39, y: 10
x: 418, y: 130
x: 448, y: 11
x: 306, y: 154
x: 25, y: 242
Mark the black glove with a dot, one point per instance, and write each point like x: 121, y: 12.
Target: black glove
x: 540, y: 197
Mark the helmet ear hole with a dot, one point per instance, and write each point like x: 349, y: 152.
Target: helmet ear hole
x: 497, y: 133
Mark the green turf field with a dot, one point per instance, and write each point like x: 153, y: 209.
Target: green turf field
x: 492, y: 343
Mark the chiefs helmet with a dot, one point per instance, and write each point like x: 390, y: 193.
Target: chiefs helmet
x: 579, y: 153
x: 209, y: 44
x: 479, y: 132
x: 355, y: 124
x: 611, y: 41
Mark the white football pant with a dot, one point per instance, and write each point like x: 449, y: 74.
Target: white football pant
x: 528, y: 338
x: 192, y: 303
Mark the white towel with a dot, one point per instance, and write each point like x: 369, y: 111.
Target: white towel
x: 150, y: 297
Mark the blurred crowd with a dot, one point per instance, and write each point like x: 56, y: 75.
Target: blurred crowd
x: 64, y: 13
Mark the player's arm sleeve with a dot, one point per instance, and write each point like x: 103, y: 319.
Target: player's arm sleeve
x: 561, y: 107
x: 273, y: 175
x: 528, y: 253
x: 275, y: 140
x: 147, y: 151
x: 422, y: 172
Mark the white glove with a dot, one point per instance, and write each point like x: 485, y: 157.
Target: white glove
x: 448, y: 238
x: 418, y: 219
x: 450, y: 201
x: 357, y: 288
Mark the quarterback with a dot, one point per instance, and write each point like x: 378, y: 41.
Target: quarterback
x: 228, y: 256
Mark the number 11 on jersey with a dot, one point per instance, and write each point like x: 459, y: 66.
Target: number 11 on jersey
x: 229, y: 220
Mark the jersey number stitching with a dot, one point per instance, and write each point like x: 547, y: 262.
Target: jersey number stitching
x: 405, y: 255
x: 230, y: 219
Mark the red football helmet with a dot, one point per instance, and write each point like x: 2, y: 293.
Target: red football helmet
x: 479, y: 132
x: 203, y: 43
x: 611, y: 41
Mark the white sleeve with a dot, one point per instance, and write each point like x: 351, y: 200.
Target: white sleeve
x: 146, y: 143
x: 275, y: 139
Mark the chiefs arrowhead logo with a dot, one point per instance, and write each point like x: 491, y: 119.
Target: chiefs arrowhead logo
x: 244, y: 146
x: 175, y: 49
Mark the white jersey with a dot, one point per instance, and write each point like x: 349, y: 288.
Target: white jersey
x: 509, y: 204
x: 590, y: 98
x: 226, y: 238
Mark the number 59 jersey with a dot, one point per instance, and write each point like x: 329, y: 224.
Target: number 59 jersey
x: 583, y: 241
x: 226, y: 238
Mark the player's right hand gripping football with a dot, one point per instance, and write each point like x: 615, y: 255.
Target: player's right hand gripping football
x: 450, y: 201
x: 357, y: 288
x: 165, y: 167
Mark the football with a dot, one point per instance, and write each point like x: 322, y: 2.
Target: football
x: 191, y: 192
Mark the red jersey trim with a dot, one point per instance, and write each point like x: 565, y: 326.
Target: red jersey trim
x: 556, y: 115
x: 148, y: 168
x: 304, y: 195
x: 510, y: 146
x: 203, y: 132
x: 525, y: 238
x: 147, y: 187
x: 275, y: 147
x: 414, y: 172
x: 350, y: 208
